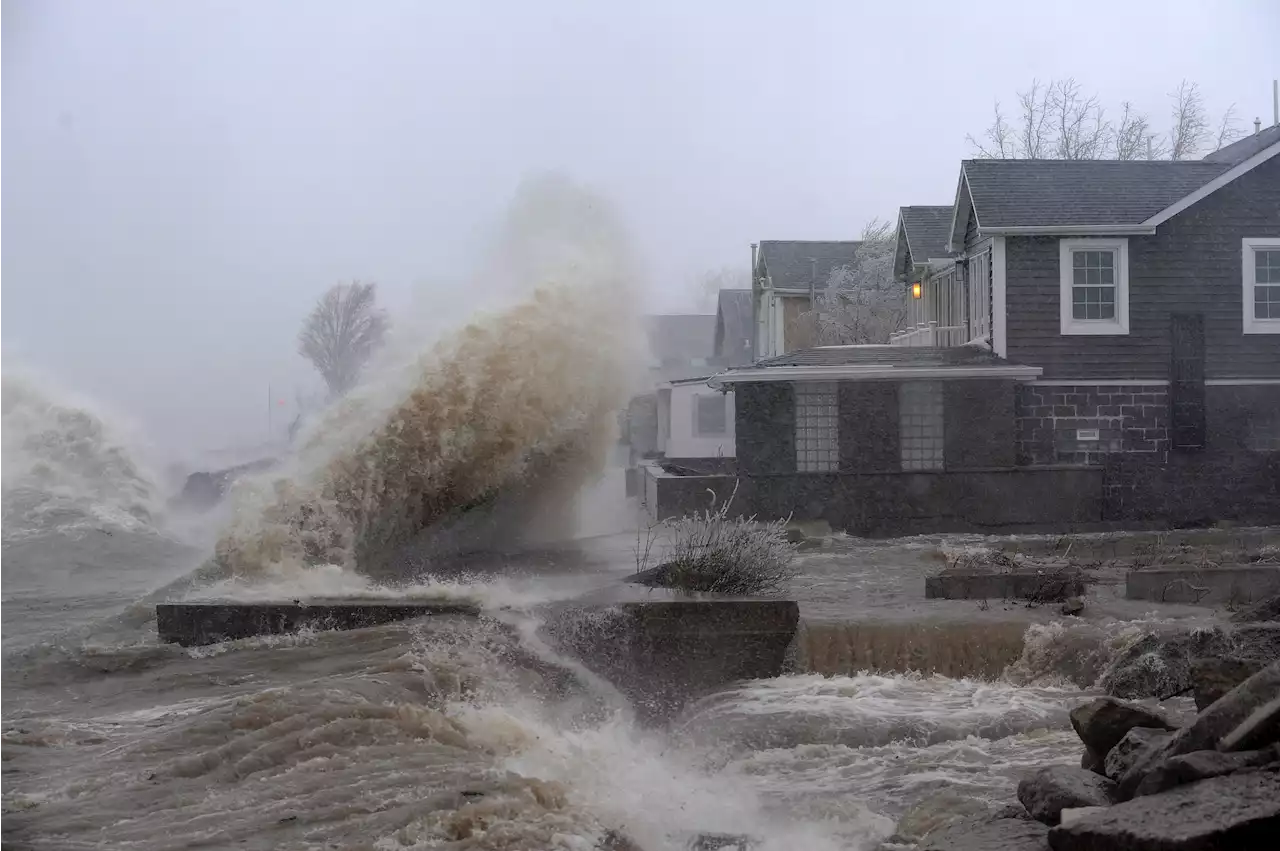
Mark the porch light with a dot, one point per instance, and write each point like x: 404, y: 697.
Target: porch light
x: 915, y: 290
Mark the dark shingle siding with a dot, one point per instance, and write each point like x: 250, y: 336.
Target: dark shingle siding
x: 1191, y: 264
x: 798, y: 264
x: 1047, y: 193
x: 927, y: 231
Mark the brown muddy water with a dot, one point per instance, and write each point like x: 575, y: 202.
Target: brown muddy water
x: 469, y: 733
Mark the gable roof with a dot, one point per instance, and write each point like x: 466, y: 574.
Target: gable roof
x: 681, y: 337
x: 1239, y: 151
x: 877, y: 363
x: 922, y: 236
x: 1065, y: 193
x: 799, y: 264
x: 734, y: 326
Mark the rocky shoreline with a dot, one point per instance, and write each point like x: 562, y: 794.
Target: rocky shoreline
x: 1146, y: 783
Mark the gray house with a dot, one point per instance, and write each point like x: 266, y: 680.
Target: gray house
x: 786, y: 278
x: 1093, y: 342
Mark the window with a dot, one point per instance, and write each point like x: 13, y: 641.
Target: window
x: 920, y: 424
x: 817, y: 444
x: 1260, y: 261
x: 709, y: 417
x: 1094, y: 292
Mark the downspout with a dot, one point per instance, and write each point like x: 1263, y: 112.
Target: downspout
x: 755, y: 306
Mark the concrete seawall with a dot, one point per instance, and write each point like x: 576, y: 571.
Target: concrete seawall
x: 660, y: 654
x: 1209, y: 587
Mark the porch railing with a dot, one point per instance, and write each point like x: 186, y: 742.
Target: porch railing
x: 930, y: 334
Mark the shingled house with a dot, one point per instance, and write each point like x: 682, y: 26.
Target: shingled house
x: 1094, y: 342
x: 787, y: 278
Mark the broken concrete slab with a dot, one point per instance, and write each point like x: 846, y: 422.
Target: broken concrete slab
x: 1051, y: 790
x: 1030, y: 584
x: 1238, y: 811
x: 1103, y: 722
x: 1210, y: 586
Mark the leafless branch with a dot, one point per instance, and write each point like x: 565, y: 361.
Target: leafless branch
x: 1228, y: 130
x: 341, y: 333
x: 1190, y: 125
x: 1081, y: 129
x: 1034, y: 131
x: 999, y: 143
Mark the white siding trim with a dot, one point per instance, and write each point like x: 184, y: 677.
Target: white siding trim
x: 1239, y: 382
x: 1089, y: 382
x: 999, y: 299
x: 1068, y: 230
x: 871, y: 373
x: 1069, y: 325
x: 1251, y: 323
x: 1214, y: 185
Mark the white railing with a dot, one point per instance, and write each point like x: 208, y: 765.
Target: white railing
x: 930, y: 334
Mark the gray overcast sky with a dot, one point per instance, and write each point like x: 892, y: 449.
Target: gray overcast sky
x: 181, y: 180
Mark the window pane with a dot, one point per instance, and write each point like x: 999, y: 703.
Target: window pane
x: 816, y: 427
x: 1108, y: 277
x: 920, y: 425
x: 1106, y: 259
x: 1266, y: 302
x: 709, y: 414
x: 1266, y: 267
x: 1077, y: 259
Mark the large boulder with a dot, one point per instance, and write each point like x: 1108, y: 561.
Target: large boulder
x: 1051, y: 790
x: 1008, y: 834
x: 935, y: 811
x: 1237, y: 811
x: 1260, y: 729
x: 1158, y: 664
x: 1200, y: 765
x: 1103, y: 722
x: 1138, y: 746
x: 1214, y: 676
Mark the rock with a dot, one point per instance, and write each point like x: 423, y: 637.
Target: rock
x: 1264, y: 610
x: 1103, y: 722
x: 721, y: 842
x: 1090, y: 761
x: 1200, y: 765
x: 1228, y: 712
x: 1159, y: 663
x: 985, y: 835
x: 795, y: 535
x: 612, y: 840
x: 1071, y: 815
x: 1072, y: 606
x: 1260, y: 729
x: 1051, y: 790
x: 937, y: 811
x: 1135, y: 748
x: 1239, y: 812
x: 1011, y: 811
x: 1214, y: 676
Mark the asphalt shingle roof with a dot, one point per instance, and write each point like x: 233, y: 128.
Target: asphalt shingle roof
x: 873, y: 355
x: 795, y: 264
x: 1239, y: 151
x: 1048, y: 193
x: 928, y: 229
x: 733, y: 327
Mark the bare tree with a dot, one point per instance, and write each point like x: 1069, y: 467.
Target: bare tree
x: 1081, y: 131
x: 341, y: 332
x: 1058, y: 120
x: 709, y: 284
x: 862, y: 302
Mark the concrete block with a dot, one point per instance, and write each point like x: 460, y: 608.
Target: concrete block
x: 1019, y: 584
x: 1209, y: 586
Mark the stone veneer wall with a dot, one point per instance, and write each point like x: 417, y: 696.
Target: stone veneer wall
x: 1130, y: 418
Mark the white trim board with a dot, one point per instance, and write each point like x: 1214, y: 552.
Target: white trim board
x: 1249, y: 284
x: 1089, y: 382
x: 872, y: 373
x: 1239, y: 382
x: 1214, y: 185
x: 999, y: 299
x: 1070, y: 230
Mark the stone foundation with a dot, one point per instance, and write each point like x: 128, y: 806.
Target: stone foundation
x: 1129, y: 418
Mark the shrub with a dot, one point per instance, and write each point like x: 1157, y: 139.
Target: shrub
x: 709, y: 551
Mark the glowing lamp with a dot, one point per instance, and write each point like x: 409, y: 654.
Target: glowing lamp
x: 915, y: 290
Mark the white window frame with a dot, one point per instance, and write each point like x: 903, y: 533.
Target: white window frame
x: 698, y: 431
x: 1248, y: 245
x: 1093, y: 327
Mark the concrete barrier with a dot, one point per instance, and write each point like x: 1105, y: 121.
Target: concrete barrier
x: 1016, y: 584
x: 197, y: 624
x: 659, y: 653
x: 1209, y: 587
x: 662, y: 655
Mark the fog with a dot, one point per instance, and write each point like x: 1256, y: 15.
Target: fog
x: 182, y: 180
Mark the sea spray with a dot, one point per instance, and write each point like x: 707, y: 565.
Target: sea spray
x: 509, y: 415
x: 65, y: 465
